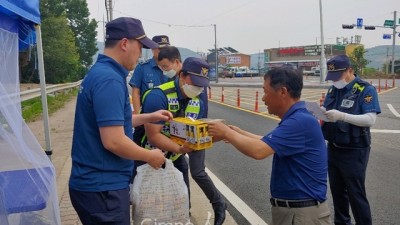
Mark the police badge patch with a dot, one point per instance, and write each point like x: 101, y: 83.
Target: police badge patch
x: 368, y: 99
x: 346, y: 103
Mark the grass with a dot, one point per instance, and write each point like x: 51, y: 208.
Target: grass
x: 32, y: 108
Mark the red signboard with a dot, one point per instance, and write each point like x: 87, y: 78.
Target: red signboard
x: 291, y: 51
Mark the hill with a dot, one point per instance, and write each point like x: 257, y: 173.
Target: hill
x: 379, y: 55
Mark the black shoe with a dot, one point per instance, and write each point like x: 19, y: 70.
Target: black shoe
x: 219, y: 213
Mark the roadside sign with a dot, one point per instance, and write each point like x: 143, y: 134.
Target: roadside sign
x: 359, y: 23
x: 388, y: 23
x: 387, y: 36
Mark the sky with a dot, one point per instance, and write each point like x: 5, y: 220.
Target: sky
x: 250, y: 26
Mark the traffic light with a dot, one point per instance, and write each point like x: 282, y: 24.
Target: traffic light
x: 369, y: 27
x: 346, y: 26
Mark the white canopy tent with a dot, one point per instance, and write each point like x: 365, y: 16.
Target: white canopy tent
x: 28, y: 193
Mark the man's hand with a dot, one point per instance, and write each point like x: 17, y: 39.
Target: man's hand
x: 156, y: 158
x: 185, y: 148
x: 161, y: 115
x: 218, y: 130
x: 334, y: 115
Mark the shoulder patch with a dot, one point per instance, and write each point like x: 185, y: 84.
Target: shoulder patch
x: 368, y: 99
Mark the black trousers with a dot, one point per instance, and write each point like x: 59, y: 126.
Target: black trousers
x: 102, y: 208
x: 347, y: 169
x: 197, y: 170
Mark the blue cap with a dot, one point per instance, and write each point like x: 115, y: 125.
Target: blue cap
x: 161, y: 40
x: 198, y: 71
x: 130, y: 28
x: 336, y: 66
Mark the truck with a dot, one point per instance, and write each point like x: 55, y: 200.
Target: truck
x: 245, y: 71
x: 315, y: 71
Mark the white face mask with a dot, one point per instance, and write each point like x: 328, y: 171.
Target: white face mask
x: 170, y: 73
x: 340, y: 84
x: 192, y: 91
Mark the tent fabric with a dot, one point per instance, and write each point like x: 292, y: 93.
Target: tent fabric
x: 25, y: 14
x: 27, y: 177
x: 28, y: 192
x: 28, y: 10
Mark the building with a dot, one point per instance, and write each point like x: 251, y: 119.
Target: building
x: 228, y: 57
x: 300, y: 57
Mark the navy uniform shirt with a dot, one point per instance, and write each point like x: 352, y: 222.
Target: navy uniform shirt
x: 102, y: 101
x: 147, y: 75
x: 368, y: 102
x: 156, y: 100
x: 299, y: 167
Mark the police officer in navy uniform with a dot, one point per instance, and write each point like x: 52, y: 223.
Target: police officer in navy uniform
x: 351, y: 108
x: 102, y: 147
x: 147, y: 74
x: 170, y: 62
x: 182, y: 97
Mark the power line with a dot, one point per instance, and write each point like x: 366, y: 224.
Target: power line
x: 167, y: 24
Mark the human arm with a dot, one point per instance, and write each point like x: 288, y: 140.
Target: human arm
x: 136, y: 84
x: 114, y: 139
x: 136, y: 100
x: 245, y: 133
x: 369, y: 108
x: 153, y: 102
x: 363, y: 120
x: 246, y: 142
x: 159, y: 140
x: 160, y: 115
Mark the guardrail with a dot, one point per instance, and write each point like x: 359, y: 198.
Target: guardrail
x: 29, y: 94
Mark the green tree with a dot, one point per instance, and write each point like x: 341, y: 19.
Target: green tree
x: 84, y: 31
x: 357, y: 60
x: 61, y: 58
x: 51, y: 8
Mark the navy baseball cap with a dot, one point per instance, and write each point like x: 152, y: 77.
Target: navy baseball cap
x: 198, y: 71
x: 336, y: 66
x: 130, y: 28
x: 161, y: 40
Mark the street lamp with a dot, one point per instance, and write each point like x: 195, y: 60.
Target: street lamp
x: 216, y: 54
x: 323, y: 59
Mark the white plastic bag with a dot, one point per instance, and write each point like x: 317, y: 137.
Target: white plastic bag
x: 159, y: 196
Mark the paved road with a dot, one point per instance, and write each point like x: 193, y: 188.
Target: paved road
x: 249, y: 179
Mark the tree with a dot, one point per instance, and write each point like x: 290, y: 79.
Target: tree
x: 357, y: 59
x: 61, y: 58
x: 84, y: 30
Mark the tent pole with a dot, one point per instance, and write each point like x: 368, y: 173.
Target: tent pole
x: 43, y: 91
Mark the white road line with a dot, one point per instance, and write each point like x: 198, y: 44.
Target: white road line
x: 385, y: 131
x: 238, y: 203
x: 393, y: 110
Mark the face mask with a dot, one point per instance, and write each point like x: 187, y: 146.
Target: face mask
x: 191, y: 91
x: 340, y: 84
x: 170, y: 73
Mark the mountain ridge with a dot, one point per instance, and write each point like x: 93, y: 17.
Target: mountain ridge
x: 377, y: 56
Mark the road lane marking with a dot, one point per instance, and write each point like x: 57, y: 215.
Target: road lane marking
x: 385, y: 131
x: 238, y: 203
x: 393, y: 110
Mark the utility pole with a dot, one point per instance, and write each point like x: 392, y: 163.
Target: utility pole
x: 109, y: 10
x: 323, y: 59
x: 216, y: 53
x: 394, y: 41
x: 387, y: 60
